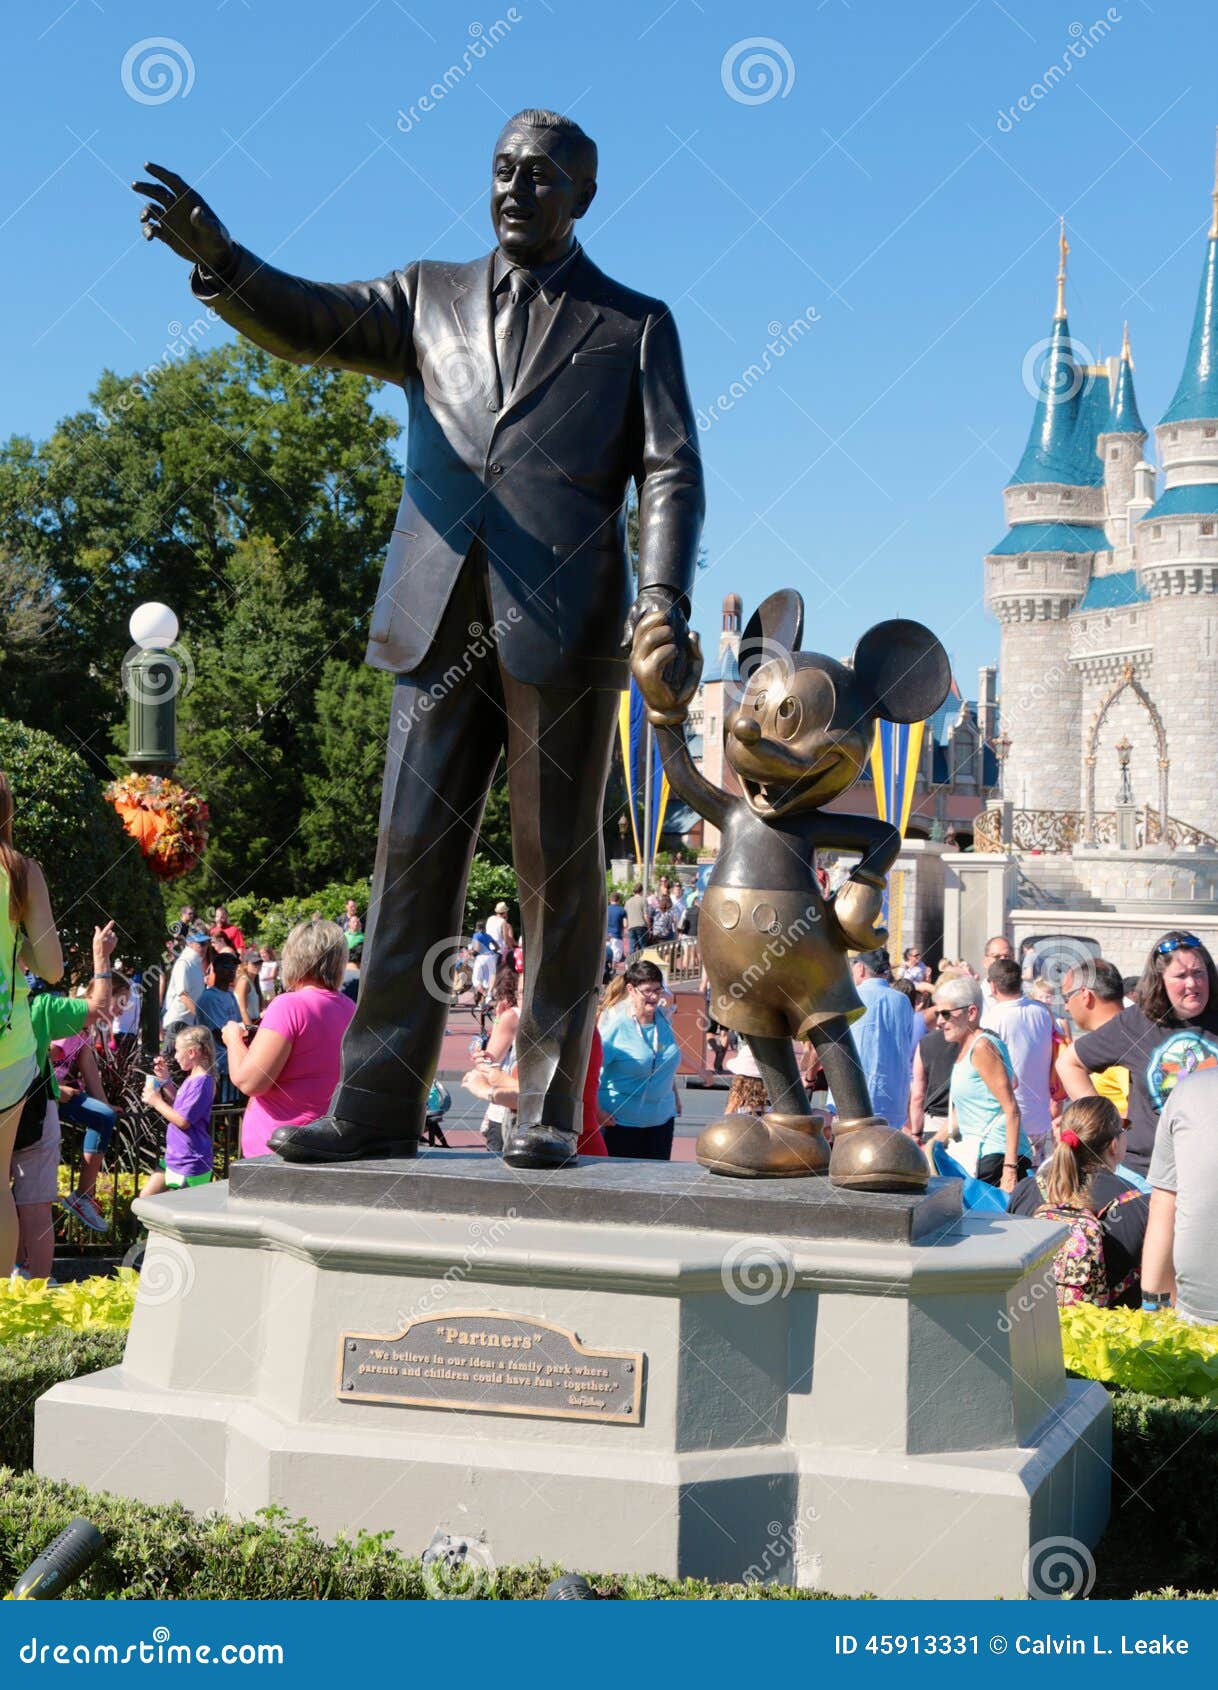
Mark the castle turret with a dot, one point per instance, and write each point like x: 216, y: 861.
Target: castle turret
x: 729, y: 638
x: 1038, y: 572
x: 1176, y: 550
x: 1121, y: 446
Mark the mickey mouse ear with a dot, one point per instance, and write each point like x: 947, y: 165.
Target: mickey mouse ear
x: 904, y: 668
x: 776, y: 626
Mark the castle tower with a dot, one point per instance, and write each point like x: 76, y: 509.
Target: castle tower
x: 1121, y: 446
x: 1176, y: 550
x: 729, y: 638
x: 1038, y: 573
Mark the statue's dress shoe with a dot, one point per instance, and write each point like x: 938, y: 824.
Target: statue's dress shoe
x: 869, y: 1155
x: 541, y: 1147
x: 332, y: 1140
x: 764, y: 1147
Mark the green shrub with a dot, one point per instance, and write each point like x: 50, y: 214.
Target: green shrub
x: 1141, y: 1351
x: 165, y: 1552
x: 1164, y: 1472
x: 29, y: 1307
x: 269, y: 922
x: 92, y: 869
x: 30, y: 1366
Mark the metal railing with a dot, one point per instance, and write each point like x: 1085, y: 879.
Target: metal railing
x: 1061, y: 830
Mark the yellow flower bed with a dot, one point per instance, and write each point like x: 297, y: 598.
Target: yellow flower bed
x: 31, y: 1307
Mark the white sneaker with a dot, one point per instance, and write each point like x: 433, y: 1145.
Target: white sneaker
x: 85, y: 1210
x: 21, y: 1273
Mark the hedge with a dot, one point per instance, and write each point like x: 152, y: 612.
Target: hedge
x: 1151, y: 1352
x: 30, y: 1366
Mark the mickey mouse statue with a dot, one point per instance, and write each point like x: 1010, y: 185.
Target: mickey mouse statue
x: 774, y: 949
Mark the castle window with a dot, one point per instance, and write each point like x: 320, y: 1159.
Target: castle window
x: 1209, y: 431
x: 1156, y: 532
x: 1207, y: 528
x: 1114, y: 452
x: 1031, y: 497
x: 1022, y: 563
x: 1066, y: 498
x: 1173, y: 434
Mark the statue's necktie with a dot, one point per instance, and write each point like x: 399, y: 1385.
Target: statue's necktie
x: 512, y: 330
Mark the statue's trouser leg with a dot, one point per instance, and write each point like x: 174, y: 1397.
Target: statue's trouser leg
x: 559, y: 742
x: 843, y: 1071
x: 776, y: 1063
x: 446, y: 733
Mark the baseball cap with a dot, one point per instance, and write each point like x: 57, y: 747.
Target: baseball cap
x: 198, y: 936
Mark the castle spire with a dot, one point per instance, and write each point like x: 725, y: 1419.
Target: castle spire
x: 1063, y: 248
x: 1059, y: 450
x: 1197, y: 395
x: 1123, y: 415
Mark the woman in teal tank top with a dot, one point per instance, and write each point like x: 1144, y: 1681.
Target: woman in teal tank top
x: 28, y: 939
x: 983, y: 1108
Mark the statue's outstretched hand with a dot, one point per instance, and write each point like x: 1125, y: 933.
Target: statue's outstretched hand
x: 667, y: 677
x: 182, y: 218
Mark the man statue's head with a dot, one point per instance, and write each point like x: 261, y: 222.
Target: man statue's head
x: 542, y: 179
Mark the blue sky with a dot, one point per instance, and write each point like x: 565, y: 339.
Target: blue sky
x: 866, y: 188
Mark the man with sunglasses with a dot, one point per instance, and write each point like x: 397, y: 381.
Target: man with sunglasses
x: 1166, y: 1035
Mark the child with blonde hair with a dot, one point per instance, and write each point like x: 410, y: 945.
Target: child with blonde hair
x: 188, y: 1158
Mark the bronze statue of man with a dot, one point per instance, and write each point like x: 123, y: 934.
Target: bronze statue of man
x: 538, y: 388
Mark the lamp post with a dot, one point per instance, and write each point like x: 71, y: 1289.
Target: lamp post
x: 1002, y: 750
x: 1006, y: 812
x: 1126, y: 809
x: 152, y: 679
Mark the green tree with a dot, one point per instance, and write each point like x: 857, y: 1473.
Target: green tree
x: 253, y: 497
x: 338, y: 826
x: 94, y: 871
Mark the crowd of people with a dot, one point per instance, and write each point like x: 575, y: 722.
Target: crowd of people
x: 1089, y: 1103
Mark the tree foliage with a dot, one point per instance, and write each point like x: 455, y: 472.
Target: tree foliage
x: 255, y: 498
x: 94, y: 871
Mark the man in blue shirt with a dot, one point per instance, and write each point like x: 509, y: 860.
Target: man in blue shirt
x: 883, y: 1037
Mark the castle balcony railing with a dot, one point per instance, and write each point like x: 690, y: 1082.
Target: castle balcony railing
x: 1061, y: 830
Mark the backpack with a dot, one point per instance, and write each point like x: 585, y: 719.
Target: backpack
x: 1079, y: 1272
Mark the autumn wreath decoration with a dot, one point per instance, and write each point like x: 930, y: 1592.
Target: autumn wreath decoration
x: 167, y: 821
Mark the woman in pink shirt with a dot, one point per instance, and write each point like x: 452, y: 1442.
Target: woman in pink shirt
x: 289, y: 1070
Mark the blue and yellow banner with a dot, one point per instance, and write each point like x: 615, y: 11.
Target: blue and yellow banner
x: 633, y: 732
x: 895, y: 753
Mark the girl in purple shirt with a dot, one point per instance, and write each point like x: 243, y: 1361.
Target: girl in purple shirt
x: 187, y: 1112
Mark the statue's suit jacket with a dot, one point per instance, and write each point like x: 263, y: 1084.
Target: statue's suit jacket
x: 541, y: 479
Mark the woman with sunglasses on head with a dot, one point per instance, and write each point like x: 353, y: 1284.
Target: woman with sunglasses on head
x: 638, y: 1095
x: 983, y: 1116
x: 1167, y: 1033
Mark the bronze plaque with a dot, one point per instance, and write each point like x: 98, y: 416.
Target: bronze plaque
x: 494, y: 1363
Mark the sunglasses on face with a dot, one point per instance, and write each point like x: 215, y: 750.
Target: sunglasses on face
x: 945, y: 1014
x: 1188, y: 943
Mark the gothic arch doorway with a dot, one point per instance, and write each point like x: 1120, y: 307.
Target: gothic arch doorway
x: 1127, y: 683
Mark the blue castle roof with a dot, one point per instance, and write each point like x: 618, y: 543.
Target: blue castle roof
x: 1067, y: 420
x: 1049, y: 537
x: 1113, y: 592
x: 1123, y: 418
x: 1201, y: 500
x: 1197, y: 394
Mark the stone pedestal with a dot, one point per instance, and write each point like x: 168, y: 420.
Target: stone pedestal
x: 852, y: 1393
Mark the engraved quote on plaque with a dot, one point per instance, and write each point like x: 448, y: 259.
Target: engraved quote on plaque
x: 493, y: 1363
